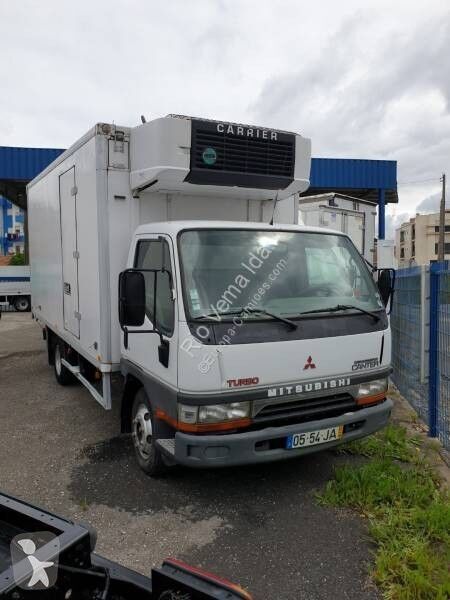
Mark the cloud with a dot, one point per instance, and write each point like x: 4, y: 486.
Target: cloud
x: 360, y: 99
x: 393, y: 222
x: 430, y: 204
x: 364, y: 80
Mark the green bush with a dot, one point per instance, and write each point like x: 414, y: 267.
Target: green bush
x: 17, y: 260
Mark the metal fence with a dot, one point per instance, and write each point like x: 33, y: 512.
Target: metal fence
x: 420, y: 324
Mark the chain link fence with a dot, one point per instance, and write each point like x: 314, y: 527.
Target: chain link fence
x: 420, y: 323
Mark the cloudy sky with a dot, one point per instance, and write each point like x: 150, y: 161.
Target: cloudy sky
x: 362, y: 79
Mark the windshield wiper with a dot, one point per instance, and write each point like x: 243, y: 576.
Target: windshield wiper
x: 240, y: 311
x: 340, y: 307
x: 263, y: 311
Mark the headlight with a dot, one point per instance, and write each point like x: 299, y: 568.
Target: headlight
x: 213, y: 413
x: 372, y: 391
x: 216, y: 413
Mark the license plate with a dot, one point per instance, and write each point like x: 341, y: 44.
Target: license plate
x: 310, y: 438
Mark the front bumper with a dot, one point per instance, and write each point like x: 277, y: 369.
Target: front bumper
x: 241, y: 448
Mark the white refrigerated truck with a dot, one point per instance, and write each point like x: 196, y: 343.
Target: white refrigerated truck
x: 169, y: 252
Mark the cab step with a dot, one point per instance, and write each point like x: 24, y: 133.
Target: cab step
x: 167, y: 446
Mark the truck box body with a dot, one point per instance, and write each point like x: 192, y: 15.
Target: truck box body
x: 352, y: 216
x: 79, y: 236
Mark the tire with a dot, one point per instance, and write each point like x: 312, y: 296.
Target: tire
x: 144, y: 433
x: 62, y: 374
x: 22, y: 303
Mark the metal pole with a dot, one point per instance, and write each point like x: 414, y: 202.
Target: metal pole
x: 424, y: 322
x: 433, y: 393
x: 381, y: 215
x: 441, y: 243
x: 26, y: 246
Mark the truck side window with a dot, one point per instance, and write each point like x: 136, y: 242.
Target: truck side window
x: 150, y: 255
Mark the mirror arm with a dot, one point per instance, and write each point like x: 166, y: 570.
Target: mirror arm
x: 127, y: 332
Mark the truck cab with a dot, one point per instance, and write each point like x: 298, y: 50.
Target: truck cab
x: 271, y: 341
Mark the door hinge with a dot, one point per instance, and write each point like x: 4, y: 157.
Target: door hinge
x: 76, y: 254
x: 74, y: 191
x: 77, y: 315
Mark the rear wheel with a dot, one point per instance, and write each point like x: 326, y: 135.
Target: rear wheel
x: 62, y: 373
x: 144, y: 431
x: 22, y: 303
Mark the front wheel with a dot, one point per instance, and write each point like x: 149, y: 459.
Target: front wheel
x: 144, y: 431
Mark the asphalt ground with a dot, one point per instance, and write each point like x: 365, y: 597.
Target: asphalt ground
x: 259, y: 526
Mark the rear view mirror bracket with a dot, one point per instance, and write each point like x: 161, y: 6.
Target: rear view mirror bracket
x: 127, y: 332
x: 386, y: 287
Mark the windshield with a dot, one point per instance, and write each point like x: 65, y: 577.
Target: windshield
x: 284, y: 272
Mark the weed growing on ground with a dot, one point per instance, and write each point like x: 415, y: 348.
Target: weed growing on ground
x: 409, y: 515
x: 392, y: 442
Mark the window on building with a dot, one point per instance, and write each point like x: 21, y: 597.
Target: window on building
x: 446, y: 248
x: 413, y: 249
x: 413, y: 232
x: 402, y: 236
x: 447, y: 228
x: 402, y: 253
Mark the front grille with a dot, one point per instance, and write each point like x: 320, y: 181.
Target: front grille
x: 308, y: 409
x: 226, y: 158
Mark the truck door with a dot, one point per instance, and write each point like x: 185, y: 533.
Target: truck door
x: 152, y: 252
x: 69, y: 248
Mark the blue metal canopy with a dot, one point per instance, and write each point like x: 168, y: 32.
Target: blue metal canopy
x: 23, y: 164
x: 351, y: 173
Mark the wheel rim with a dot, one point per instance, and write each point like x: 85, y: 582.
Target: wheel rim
x: 58, y: 364
x: 22, y: 304
x: 143, y: 431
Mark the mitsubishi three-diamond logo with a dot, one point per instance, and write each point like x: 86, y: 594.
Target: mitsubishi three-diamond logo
x: 309, y: 364
x: 35, y: 560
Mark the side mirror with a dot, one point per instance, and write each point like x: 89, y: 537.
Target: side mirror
x: 131, y: 298
x: 386, y: 279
